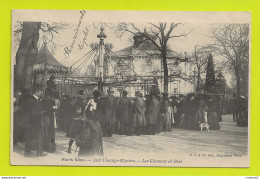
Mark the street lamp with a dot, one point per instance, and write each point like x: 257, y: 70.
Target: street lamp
x: 101, y: 49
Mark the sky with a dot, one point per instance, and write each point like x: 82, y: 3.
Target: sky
x: 197, y: 36
x: 197, y: 24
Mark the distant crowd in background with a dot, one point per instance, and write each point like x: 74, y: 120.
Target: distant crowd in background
x: 87, y: 119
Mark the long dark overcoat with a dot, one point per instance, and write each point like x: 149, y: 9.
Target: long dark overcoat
x: 109, y: 111
x: 48, y: 128
x: 139, y: 113
x: 153, y: 110
x: 33, y: 137
x: 90, y: 139
x: 123, y: 110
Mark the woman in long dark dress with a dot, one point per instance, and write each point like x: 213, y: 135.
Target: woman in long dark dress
x: 48, y: 107
x: 90, y: 139
x: 212, y: 110
x: 65, y: 113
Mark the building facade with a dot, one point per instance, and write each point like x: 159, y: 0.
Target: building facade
x: 137, y: 67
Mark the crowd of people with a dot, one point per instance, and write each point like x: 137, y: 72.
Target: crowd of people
x: 87, y: 119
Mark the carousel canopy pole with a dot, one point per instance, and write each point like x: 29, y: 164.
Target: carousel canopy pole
x: 101, y: 48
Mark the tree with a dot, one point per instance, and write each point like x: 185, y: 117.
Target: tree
x: 231, y: 41
x: 210, y: 77
x: 26, y: 55
x: 28, y: 50
x: 159, y: 35
x: 220, y: 84
x: 199, y: 61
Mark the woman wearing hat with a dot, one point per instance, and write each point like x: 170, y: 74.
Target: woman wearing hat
x: 89, y: 140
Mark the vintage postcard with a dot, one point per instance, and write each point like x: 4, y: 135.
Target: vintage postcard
x: 130, y: 88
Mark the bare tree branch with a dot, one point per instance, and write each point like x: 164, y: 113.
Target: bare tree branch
x: 231, y: 41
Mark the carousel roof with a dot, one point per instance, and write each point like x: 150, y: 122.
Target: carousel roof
x: 46, y: 59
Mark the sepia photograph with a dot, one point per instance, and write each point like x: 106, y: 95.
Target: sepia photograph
x: 130, y: 88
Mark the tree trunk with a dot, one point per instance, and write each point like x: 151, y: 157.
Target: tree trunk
x: 26, y: 56
x: 198, y: 87
x: 238, y: 79
x: 165, y: 72
x: 238, y: 87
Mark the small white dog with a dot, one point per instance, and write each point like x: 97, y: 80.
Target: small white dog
x: 204, y: 125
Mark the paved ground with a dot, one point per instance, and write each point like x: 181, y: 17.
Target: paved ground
x: 229, y: 139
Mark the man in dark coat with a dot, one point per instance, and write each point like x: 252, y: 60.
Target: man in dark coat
x: 109, y: 109
x: 123, y: 114
x: 152, y: 113
x: 190, y: 109
x: 180, y: 111
x: 33, y: 139
x: 139, y: 121
x: 20, y: 116
x: 65, y: 113
x: 243, y: 111
x: 165, y: 111
x: 235, y: 106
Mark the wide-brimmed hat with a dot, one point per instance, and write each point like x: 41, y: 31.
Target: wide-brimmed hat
x: 110, y: 89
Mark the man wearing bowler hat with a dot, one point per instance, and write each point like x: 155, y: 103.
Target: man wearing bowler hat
x: 109, y: 110
x: 139, y: 121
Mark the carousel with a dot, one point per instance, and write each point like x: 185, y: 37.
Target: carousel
x: 46, y: 66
